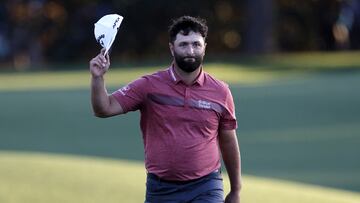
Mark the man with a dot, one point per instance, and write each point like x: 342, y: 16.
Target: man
x: 187, y: 118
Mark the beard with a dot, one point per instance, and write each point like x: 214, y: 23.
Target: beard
x: 188, y: 63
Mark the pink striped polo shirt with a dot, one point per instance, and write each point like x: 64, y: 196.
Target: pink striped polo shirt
x: 180, y: 123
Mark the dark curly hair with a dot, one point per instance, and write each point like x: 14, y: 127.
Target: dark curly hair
x: 186, y: 24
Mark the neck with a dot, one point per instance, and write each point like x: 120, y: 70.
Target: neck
x: 188, y: 78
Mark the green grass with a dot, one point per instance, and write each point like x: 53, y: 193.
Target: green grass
x: 306, y: 61
x: 308, y: 125
x: 115, y: 77
x: 318, y: 60
x: 243, y: 70
x: 43, y: 178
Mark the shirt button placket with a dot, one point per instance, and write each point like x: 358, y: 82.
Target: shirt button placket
x: 187, y: 92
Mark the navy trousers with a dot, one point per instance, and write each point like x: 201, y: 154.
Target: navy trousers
x: 206, y: 189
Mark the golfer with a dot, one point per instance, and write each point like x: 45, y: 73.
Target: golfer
x: 187, y: 120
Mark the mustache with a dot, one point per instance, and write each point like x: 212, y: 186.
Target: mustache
x: 190, y: 57
x: 187, y: 58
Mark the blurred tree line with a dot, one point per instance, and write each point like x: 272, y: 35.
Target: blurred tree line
x: 37, y: 32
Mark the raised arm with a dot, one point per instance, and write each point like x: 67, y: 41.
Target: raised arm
x: 231, y: 155
x: 103, y: 104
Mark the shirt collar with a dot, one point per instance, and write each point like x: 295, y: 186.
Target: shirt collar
x: 176, y: 78
x: 201, y: 77
x: 173, y: 76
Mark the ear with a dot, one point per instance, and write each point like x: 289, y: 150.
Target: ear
x: 171, y: 46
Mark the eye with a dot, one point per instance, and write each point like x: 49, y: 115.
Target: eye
x: 182, y: 44
x: 197, y: 44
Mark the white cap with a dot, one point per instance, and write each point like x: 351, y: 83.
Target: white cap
x: 106, y: 29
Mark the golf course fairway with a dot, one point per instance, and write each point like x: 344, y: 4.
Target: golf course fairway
x: 43, y: 178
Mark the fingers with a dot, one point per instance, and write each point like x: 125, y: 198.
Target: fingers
x: 107, y: 57
x: 102, y: 51
x: 100, y: 61
x: 96, y: 62
x: 100, y: 58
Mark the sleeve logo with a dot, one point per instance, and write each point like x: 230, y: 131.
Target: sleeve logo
x: 124, y: 89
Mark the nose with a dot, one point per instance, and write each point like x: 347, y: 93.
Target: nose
x: 190, y: 50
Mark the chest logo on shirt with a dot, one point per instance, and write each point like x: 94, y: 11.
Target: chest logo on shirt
x: 180, y: 102
x: 204, y: 104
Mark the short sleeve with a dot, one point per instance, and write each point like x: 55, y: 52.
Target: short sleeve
x: 131, y: 97
x: 228, y: 118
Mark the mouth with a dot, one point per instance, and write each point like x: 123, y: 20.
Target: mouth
x: 189, y: 59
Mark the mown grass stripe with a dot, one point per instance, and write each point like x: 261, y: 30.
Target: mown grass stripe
x: 115, y: 77
x: 42, y: 178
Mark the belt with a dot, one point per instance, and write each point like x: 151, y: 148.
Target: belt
x: 180, y: 182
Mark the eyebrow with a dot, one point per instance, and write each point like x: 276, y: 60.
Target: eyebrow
x: 190, y: 41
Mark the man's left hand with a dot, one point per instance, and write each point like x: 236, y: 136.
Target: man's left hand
x: 233, y: 197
